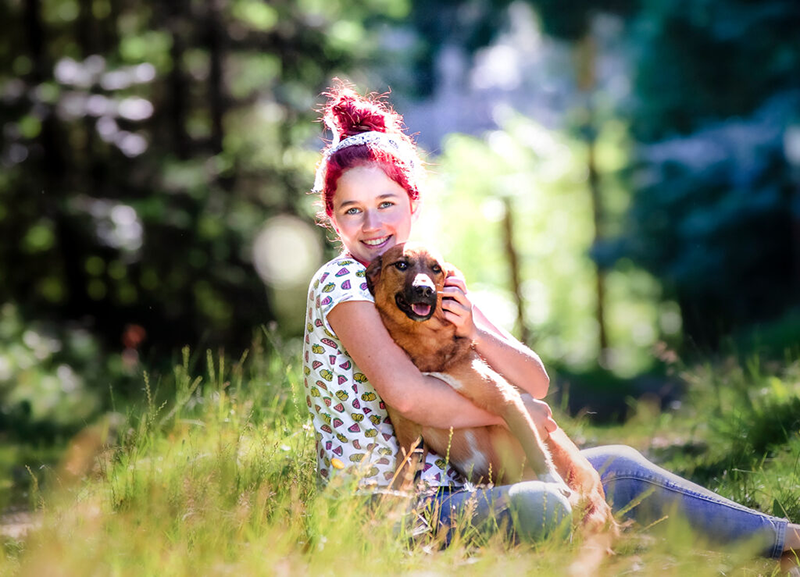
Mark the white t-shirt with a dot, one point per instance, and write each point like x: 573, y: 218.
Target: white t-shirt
x: 353, y: 431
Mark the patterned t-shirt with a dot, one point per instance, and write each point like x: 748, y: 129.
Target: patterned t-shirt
x: 353, y: 430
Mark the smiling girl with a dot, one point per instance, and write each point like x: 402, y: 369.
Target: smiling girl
x: 368, y: 181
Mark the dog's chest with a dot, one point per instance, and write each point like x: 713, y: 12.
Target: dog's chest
x: 435, y: 352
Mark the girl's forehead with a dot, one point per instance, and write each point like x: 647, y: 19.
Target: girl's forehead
x: 366, y: 183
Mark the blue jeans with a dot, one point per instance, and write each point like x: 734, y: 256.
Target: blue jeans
x: 634, y: 486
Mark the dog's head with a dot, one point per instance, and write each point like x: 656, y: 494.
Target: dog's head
x: 411, y: 276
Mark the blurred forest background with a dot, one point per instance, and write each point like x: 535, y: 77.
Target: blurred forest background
x: 619, y: 180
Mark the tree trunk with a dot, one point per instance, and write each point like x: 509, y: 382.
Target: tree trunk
x: 178, y: 84
x: 585, y: 68
x: 54, y: 170
x: 215, y: 77
x: 513, y: 263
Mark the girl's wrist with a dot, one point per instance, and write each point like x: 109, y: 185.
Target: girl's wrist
x: 478, y: 337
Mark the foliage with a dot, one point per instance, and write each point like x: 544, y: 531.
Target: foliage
x: 219, y: 477
x: 714, y: 182
x: 740, y: 433
x: 712, y: 115
x: 538, y: 177
x: 49, y: 378
x: 143, y: 147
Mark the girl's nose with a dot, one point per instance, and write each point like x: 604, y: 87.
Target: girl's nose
x: 371, y: 220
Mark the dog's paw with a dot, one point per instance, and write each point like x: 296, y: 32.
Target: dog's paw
x: 555, y: 478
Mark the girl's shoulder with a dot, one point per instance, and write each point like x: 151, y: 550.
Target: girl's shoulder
x: 339, y: 266
x: 340, y: 279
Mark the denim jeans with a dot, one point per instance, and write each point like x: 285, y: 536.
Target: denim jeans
x: 639, y: 489
x: 647, y: 493
x: 530, y: 511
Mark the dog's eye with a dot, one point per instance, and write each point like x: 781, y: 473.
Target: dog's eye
x: 436, y: 268
x: 401, y: 265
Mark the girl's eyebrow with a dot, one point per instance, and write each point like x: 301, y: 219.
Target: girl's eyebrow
x: 379, y: 197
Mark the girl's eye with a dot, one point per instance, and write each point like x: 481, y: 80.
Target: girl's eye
x: 351, y: 211
x: 386, y: 204
x: 401, y: 265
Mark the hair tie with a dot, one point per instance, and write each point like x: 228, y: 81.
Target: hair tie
x: 386, y: 141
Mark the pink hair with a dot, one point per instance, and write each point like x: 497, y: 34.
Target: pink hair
x: 347, y: 113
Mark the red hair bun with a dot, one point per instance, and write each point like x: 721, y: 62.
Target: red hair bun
x: 347, y: 113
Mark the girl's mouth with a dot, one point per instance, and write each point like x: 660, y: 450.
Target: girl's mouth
x: 377, y: 242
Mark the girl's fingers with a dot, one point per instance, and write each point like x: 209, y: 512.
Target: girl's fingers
x: 456, y: 282
x: 456, y: 304
x: 455, y: 294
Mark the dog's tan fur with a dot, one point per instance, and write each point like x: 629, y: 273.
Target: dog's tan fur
x: 497, y: 454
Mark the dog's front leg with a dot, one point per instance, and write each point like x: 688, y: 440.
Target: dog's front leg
x: 409, y: 441
x: 487, y: 389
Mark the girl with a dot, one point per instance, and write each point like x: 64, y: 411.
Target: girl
x: 368, y: 180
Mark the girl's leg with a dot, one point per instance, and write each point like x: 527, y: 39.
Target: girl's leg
x: 647, y: 493
x: 530, y: 511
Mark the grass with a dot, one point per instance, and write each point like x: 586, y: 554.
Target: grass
x: 218, y: 478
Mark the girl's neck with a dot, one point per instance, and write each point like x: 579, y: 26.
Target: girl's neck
x: 348, y: 254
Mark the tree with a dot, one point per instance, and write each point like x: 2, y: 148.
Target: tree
x: 715, y: 91
x: 712, y: 214
x: 143, y: 147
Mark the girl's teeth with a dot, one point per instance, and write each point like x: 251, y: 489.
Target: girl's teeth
x: 376, y: 242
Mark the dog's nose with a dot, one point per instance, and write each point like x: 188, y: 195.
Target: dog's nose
x: 423, y: 286
x: 423, y: 291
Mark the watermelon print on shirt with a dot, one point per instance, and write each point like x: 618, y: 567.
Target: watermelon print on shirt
x: 350, y: 420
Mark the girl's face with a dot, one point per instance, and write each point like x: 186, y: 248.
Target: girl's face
x: 371, y: 212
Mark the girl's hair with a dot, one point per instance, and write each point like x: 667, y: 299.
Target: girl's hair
x: 347, y: 113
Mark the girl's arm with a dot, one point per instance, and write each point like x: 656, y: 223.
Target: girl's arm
x: 515, y: 361
x: 420, y: 398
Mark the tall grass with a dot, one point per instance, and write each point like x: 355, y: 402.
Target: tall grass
x: 745, y: 419
x: 218, y: 477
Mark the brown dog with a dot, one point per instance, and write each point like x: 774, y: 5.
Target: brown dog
x: 406, y: 283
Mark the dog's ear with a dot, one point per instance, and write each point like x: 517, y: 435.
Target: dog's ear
x: 374, y: 274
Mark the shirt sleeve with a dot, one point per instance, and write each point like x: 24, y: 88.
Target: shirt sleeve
x: 344, y: 280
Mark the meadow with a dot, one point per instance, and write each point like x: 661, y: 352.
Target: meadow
x: 214, y: 474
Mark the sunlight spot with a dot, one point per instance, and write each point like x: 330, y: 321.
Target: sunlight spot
x: 497, y: 67
x: 670, y: 322
x: 67, y: 71
x: 116, y: 225
x: 131, y: 144
x: 98, y: 105
x: 643, y: 334
x: 144, y: 72
x: 135, y: 108
x: 107, y: 128
x: 5, y: 368
x: 493, y: 209
x: 791, y: 144
x: 496, y: 305
x: 286, y: 252
x: 68, y: 378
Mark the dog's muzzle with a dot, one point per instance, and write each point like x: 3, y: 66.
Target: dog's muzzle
x: 418, y: 300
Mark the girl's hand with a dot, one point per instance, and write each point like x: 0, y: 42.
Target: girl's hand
x: 457, y: 306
